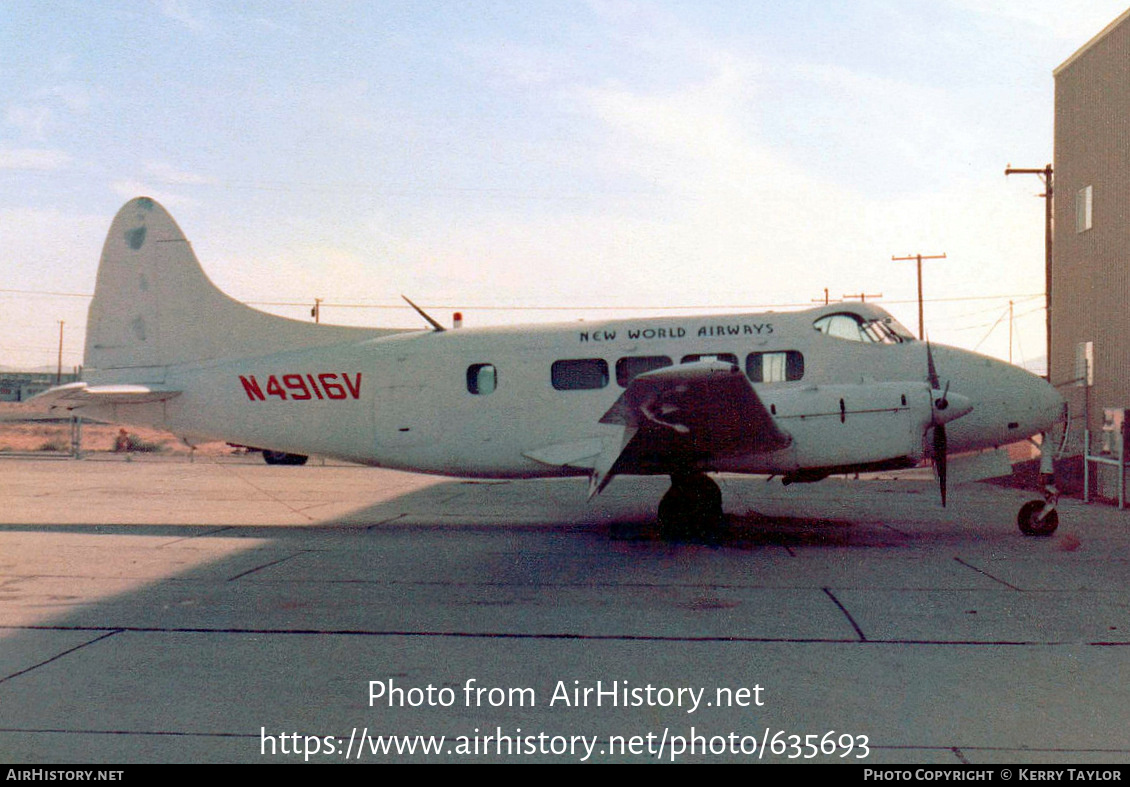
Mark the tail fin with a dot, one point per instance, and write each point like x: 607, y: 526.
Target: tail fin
x: 154, y: 306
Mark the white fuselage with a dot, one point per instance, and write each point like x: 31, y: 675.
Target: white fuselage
x: 489, y: 402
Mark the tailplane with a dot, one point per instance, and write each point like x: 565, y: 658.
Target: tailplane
x: 154, y: 306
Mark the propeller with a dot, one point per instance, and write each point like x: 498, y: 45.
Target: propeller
x: 938, y: 406
x: 940, y: 458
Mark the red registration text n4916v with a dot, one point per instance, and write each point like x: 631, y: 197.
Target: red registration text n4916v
x: 303, y: 387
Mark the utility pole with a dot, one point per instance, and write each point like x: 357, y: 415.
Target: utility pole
x: 863, y: 296
x: 1046, y: 176
x: 59, y: 368
x: 826, y: 300
x: 920, y: 257
x: 316, y: 312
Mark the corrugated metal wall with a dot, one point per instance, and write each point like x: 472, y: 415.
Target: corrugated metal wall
x: 1091, y: 269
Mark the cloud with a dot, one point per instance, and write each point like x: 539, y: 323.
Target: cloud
x: 515, y: 64
x: 166, y: 173
x: 129, y: 188
x: 31, y: 121
x: 191, y: 15
x: 52, y: 110
x: 75, y: 97
x: 33, y: 159
x: 49, y: 249
x: 1072, y: 22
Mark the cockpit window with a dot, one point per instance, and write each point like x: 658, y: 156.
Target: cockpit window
x: 857, y: 329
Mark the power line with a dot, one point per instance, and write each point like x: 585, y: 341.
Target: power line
x: 990, y: 309
x: 653, y: 307
x: 49, y: 292
x: 994, y: 323
x: 998, y: 322
x: 39, y: 348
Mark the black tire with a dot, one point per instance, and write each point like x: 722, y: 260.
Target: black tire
x: 1029, y: 522
x: 283, y: 458
x: 692, y: 507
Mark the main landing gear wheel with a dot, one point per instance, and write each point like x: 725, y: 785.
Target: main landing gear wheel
x: 1030, y: 522
x: 692, y: 506
x: 283, y: 458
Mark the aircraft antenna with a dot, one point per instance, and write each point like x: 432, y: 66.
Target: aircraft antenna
x: 438, y: 328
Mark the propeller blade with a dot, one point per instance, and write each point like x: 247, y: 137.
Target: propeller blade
x: 931, y: 369
x: 938, y: 424
x: 940, y: 458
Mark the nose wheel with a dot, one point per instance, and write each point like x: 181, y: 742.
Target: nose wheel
x: 693, y: 505
x: 1035, y: 520
x: 1039, y: 517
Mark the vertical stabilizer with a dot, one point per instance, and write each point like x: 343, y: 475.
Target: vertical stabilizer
x: 154, y: 306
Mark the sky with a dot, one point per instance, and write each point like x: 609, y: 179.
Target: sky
x: 536, y: 161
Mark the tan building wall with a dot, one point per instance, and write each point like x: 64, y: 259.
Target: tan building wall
x: 1091, y: 250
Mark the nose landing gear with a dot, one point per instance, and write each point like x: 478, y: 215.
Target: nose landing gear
x: 1039, y: 517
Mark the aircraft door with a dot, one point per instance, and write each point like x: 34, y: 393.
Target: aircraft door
x: 405, y: 414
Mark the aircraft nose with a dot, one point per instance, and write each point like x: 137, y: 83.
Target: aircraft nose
x: 1029, y: 402
x: 1051, y: 407
x: 1009, y: 403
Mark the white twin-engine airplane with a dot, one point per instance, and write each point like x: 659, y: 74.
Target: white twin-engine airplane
x: 838, y: 389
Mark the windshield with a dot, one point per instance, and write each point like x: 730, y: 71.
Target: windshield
x: 857, y: 329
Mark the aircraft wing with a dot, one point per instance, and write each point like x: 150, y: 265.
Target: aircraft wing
x: 680, y: 416
x: 73, y: 396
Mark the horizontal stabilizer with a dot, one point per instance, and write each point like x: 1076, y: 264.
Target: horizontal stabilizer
x: 73, y: 396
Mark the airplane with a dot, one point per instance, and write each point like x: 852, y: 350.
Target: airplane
x: 841, y: 388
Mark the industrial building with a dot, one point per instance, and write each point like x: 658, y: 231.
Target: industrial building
x: 20, y: 386
x: 1090, y: 277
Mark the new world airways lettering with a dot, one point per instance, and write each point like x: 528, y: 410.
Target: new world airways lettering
x: 678, y: 332
x: 303, y: 387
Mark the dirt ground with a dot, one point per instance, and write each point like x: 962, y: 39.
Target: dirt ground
x: 18, y: 435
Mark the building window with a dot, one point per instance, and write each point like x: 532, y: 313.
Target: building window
x: 775, y: 367
x: 482, y: 378
x: 1083, y: 200
x: 628, y: 368
x: 581, y: 374
x: 1085, y: 364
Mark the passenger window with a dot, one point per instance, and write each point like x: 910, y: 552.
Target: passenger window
x: 580, y: 374
x: 629, y: 368
x: 482, y: 378
x: 724, y: 357
x: 774, y: 367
